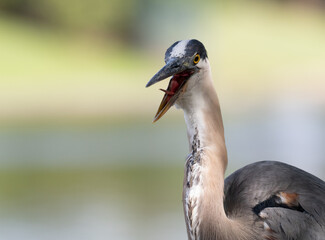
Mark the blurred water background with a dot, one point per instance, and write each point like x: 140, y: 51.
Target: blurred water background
x: 79, y: 157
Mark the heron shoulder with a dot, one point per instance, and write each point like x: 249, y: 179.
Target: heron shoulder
x: 277, y: 195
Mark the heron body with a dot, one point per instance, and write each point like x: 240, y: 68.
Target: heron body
x: 265, y: 200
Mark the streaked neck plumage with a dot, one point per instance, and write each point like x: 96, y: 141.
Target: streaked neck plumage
x: 202, y: 113
x: 205, y: 167
x: 203, y: 116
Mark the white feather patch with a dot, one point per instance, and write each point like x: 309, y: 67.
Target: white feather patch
x: 192, y: 198
x: 263, y: 214
x: 266, y: 226
x: 179, y: 49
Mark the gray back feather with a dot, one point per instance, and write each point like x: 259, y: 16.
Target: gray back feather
x: 257, y: 182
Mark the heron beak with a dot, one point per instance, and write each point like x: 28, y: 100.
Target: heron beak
x: 181, y: 72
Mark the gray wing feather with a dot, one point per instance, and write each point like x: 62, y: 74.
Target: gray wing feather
x: 259, y: 181
x: 291, y: 224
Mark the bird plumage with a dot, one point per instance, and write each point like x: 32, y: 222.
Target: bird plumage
x: 256, y: 183
x: 264, y: 200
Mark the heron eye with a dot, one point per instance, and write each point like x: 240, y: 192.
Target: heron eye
x: 196, y: 59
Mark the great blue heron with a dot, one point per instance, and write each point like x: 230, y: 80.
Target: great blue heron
x: 264, y: 200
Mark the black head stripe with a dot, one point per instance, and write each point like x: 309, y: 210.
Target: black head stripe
x: 195, y: 46
x: 192, y: 47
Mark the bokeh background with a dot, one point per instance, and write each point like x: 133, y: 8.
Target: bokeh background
x: 79, y: 156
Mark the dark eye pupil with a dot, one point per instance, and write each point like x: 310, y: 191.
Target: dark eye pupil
x: 196, y: 59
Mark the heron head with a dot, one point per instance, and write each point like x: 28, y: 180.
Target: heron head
x: 184, y: 60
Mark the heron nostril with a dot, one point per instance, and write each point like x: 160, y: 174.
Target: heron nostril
x: 175, y: 65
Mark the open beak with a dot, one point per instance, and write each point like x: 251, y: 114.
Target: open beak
x: 181, y: 72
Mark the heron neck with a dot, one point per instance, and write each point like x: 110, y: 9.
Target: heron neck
x: 205, y: 168
x: 204, y: 123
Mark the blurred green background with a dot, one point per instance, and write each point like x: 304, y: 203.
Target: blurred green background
x: 79, y: 157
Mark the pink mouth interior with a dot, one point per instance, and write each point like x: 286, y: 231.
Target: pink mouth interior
x: 176, y: 82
